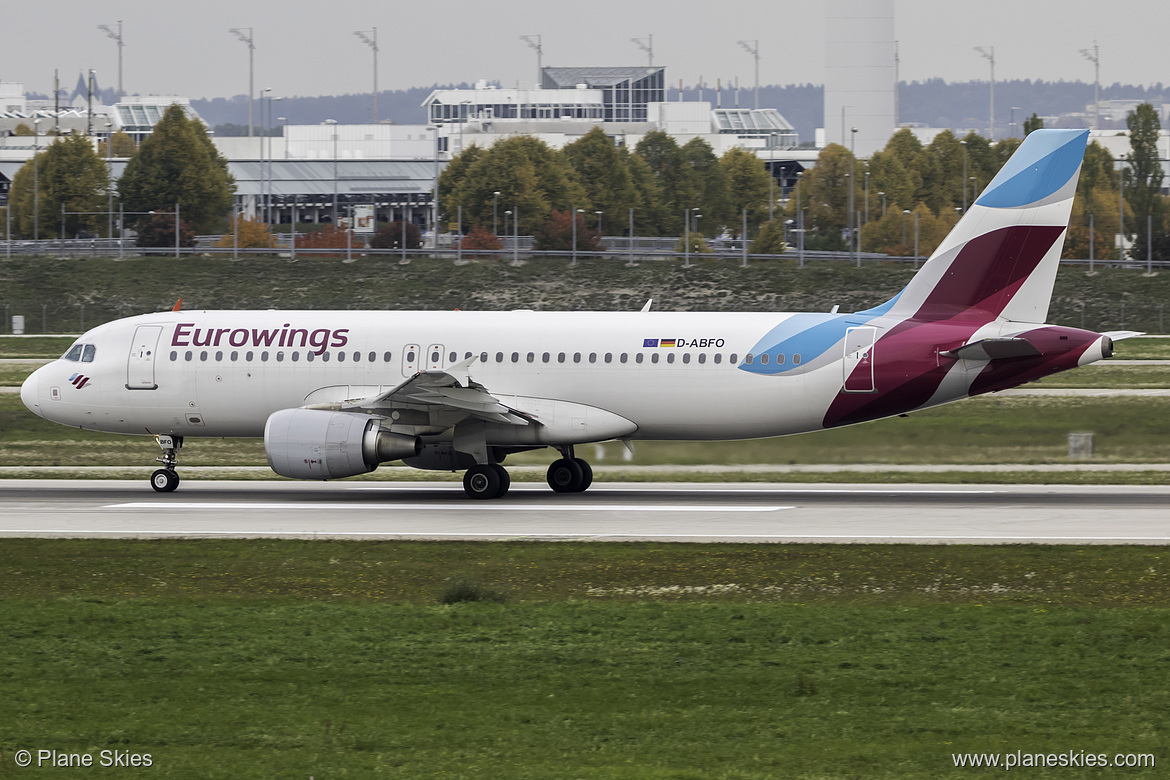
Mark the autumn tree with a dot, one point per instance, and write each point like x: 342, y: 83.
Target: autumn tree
x: 158, y: 230
x: 770, y: 239
x: 390, y: 235
x: 710, y: 182
x: 177, y: 163
x: 664, y: 161
x: 556, y: 234
x: 748, y: 189
x: 248, y: 234
x: 69, y: 176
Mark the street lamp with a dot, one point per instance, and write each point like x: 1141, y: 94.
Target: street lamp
x: 372, y: 42
x: 852, y: 169
x: 964, y: 145
x: 495, y: 215
x: 883, y: 194
x: 435, y: 197
x: 239, y: 33
x: 109, y: 180
x: 36, y: 179
x: 989, y: 55
x: 333, y: 123
x: 904, y: 213
x: 598, y: 213
x: 1095, y: 58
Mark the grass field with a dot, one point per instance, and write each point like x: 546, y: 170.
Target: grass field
x: 332, y: 659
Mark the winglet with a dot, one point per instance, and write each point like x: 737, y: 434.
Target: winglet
x: 177, y: 305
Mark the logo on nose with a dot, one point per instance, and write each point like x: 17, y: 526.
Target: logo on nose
x: 79, y: 380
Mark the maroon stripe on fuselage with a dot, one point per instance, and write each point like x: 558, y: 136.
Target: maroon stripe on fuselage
x: 988, y: 271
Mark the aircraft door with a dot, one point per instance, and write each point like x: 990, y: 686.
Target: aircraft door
x: 858, y: 363
x: 410, y: 360
x: 143, y: 355
x: 434, y: 357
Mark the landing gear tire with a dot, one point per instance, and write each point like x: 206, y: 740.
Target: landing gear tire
x: 482, y: 481
x: 566, y: 476
x: 164, y: 480
x: 586, y: 474
x: 505, y: 480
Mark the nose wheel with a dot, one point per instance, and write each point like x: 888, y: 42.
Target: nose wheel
x: 166, y: 479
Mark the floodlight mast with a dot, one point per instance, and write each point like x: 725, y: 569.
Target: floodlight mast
x: 239, y: 33
x: 753, y: 48
x: 988, y: 53
x: 372, y: 41
x: 1095, y: 58
x: 647, y: 47
x: 116, y: 36
x: 536, y: 42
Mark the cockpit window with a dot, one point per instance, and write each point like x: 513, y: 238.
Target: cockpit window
x: 74, y: 353
x: 88, y: 353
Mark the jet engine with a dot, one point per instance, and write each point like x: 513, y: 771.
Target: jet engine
x: 317, y: 444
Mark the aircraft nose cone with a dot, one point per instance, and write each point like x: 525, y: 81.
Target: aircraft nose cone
x: 29, y: 393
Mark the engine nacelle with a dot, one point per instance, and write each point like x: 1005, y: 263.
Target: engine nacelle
x: 316, y: 444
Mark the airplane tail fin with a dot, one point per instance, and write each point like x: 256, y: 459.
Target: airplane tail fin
x: 1000, y: 260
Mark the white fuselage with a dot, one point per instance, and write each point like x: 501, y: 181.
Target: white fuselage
x: 222, y: 373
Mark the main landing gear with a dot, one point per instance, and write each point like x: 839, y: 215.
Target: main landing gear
x: 568, y: 474
x: 166, y: 479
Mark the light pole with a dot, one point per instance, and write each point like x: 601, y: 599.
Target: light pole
x: 36, y: 179
x: 116, y: 36
x: 1012, y: 125
x: 964, y: 145
x: 239, y: 33
x: 462, y: 121
x: 1121, y: 210
x: 883, y: 194
x: 988, y: 53
x: 1095, y: 58
x: 109, y: 180
x: 852, y: 186
x: 867, y: 193
x: 506, y: 215
x: 598, y: 213
x: 574, y: 212
x: 534, y: 42
x: 333, y: 124
x: 372, y: 41
x: 284, y: 133
x: 647, y: 47
x: 904, y: 213
x: 435, y: 192
x: 753, y: 48
x: 495, y: 215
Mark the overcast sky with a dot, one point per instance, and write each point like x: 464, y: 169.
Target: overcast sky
x: 307, y: 47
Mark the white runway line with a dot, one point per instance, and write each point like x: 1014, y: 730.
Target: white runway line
x: 466, y: 506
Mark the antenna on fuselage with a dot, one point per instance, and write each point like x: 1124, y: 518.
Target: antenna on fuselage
x: 647, y: 306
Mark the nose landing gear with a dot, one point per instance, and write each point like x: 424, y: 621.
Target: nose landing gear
x: 166, y: 479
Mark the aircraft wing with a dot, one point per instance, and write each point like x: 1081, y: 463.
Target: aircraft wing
x: 450, y: 391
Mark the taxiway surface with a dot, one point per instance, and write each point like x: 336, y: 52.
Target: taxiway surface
x: 991, y: 514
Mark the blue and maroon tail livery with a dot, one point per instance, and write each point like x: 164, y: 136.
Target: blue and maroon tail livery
x: 971, y: 320
x: 1000, y: 260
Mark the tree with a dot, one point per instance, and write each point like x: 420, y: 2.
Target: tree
x: 22, y: 129
x: 389, y: 235
x: 531, y: 177
x: 556, y: 234
x: 663, y: 157
x: 119, y: 145
x: 159, y: 231
x: 648, y: 211
x: 452, y: 177
x: 604, y: 174
x: 701, y: 166
x: 480, y: 239
x: 69, y: 174
x: 248, y: 234
x: 748, y: 186
x: 177, y: 163
x: 770, y: 240
x: 330, y: 236
x: 1143, y: 176
x: 1032, y: 123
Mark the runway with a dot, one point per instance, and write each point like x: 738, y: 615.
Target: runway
x: 690, y: 512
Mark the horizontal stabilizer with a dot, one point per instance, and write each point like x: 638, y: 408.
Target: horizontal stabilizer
x: 994, y: 349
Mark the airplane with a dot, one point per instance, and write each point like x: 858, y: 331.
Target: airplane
x: 336, y: 393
